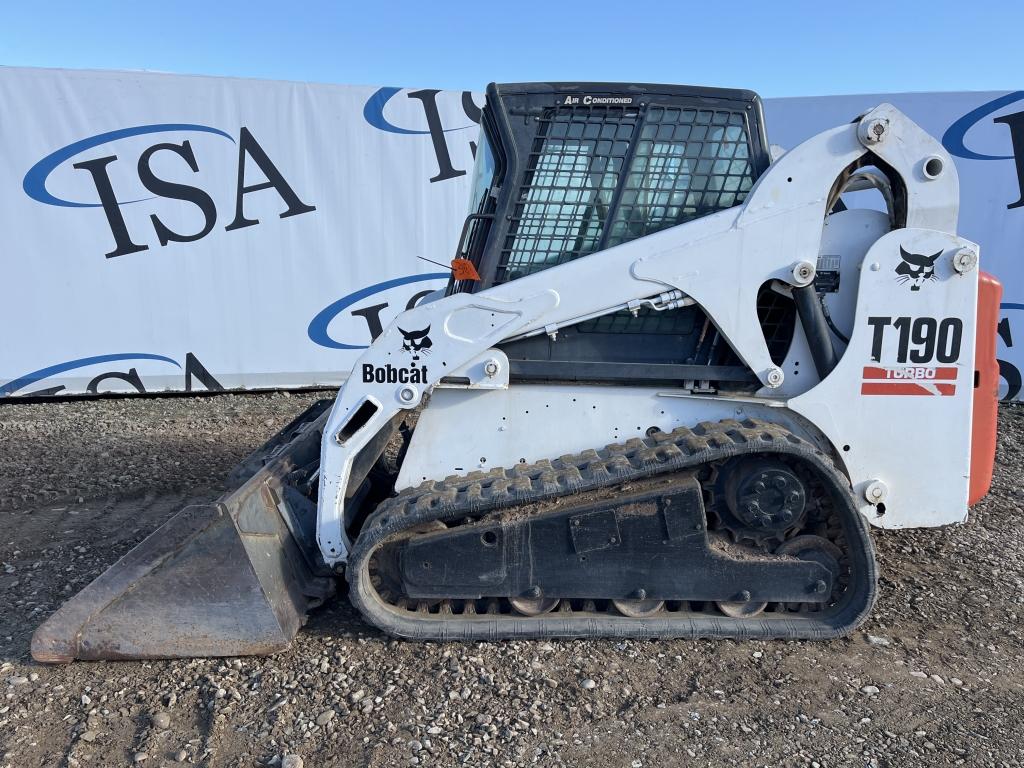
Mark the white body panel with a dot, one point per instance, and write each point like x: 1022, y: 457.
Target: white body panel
x: 528, y: 422
x: 719, y: 261
x: 917, y: 443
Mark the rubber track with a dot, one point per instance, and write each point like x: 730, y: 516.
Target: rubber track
x: 458, y: 497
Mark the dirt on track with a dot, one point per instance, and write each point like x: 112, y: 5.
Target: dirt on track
x: 935, y: 677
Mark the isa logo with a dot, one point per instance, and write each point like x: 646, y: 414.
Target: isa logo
x: 960, y: 137
x: 419, y: 113
x: 112, y: 373
x: 145, y: 163
x: 355, y: 320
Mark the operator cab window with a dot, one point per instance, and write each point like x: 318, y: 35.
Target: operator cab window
x: 680, y: 164
x: 483, y: 173
x: 578, y: 168
x: 688, y: 163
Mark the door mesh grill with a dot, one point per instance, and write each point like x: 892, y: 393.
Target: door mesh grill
x: 688, y: 163
x: 574, y: 169
x: 601, y: 176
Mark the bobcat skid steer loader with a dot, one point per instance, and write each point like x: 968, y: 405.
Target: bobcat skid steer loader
x: 670, y: 386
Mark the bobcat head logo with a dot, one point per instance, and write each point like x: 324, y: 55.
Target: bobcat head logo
x: 915, y: 268
x: 416, y: 342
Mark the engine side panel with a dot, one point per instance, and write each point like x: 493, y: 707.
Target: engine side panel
x: 898, y: 406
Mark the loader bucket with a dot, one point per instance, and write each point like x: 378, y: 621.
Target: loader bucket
x: 230, y: 578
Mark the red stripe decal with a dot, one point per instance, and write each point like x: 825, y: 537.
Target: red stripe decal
x: 908, y: 373
x: 906, y: 388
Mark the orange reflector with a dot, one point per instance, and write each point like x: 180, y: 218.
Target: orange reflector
x: 463, y: 269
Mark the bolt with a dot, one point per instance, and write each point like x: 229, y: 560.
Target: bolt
x: 875, y: 132
x: 744, y: 596
x: 774, y: 378
x: 640, y: 594
x: 803, y: 272
x: 407, y: 394
x: 965, y: 260
x: 779, y: 482
x: 820, y: 587
x: 491, y: 368
x: 876, y: 492
x: 534, y: 591
x: 787, y: 516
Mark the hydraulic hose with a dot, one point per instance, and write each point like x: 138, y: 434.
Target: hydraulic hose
x: 819, y: 338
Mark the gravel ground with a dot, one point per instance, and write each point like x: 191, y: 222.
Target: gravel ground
x: 935, y: 677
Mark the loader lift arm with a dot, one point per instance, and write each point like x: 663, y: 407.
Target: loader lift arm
x: 773, y: 236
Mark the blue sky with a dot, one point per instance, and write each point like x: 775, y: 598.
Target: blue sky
x: 777, y: 49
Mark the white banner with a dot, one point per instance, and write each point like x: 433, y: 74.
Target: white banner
x: 161, y: 232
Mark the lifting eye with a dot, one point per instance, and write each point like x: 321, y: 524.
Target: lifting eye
x: 933, y: 167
